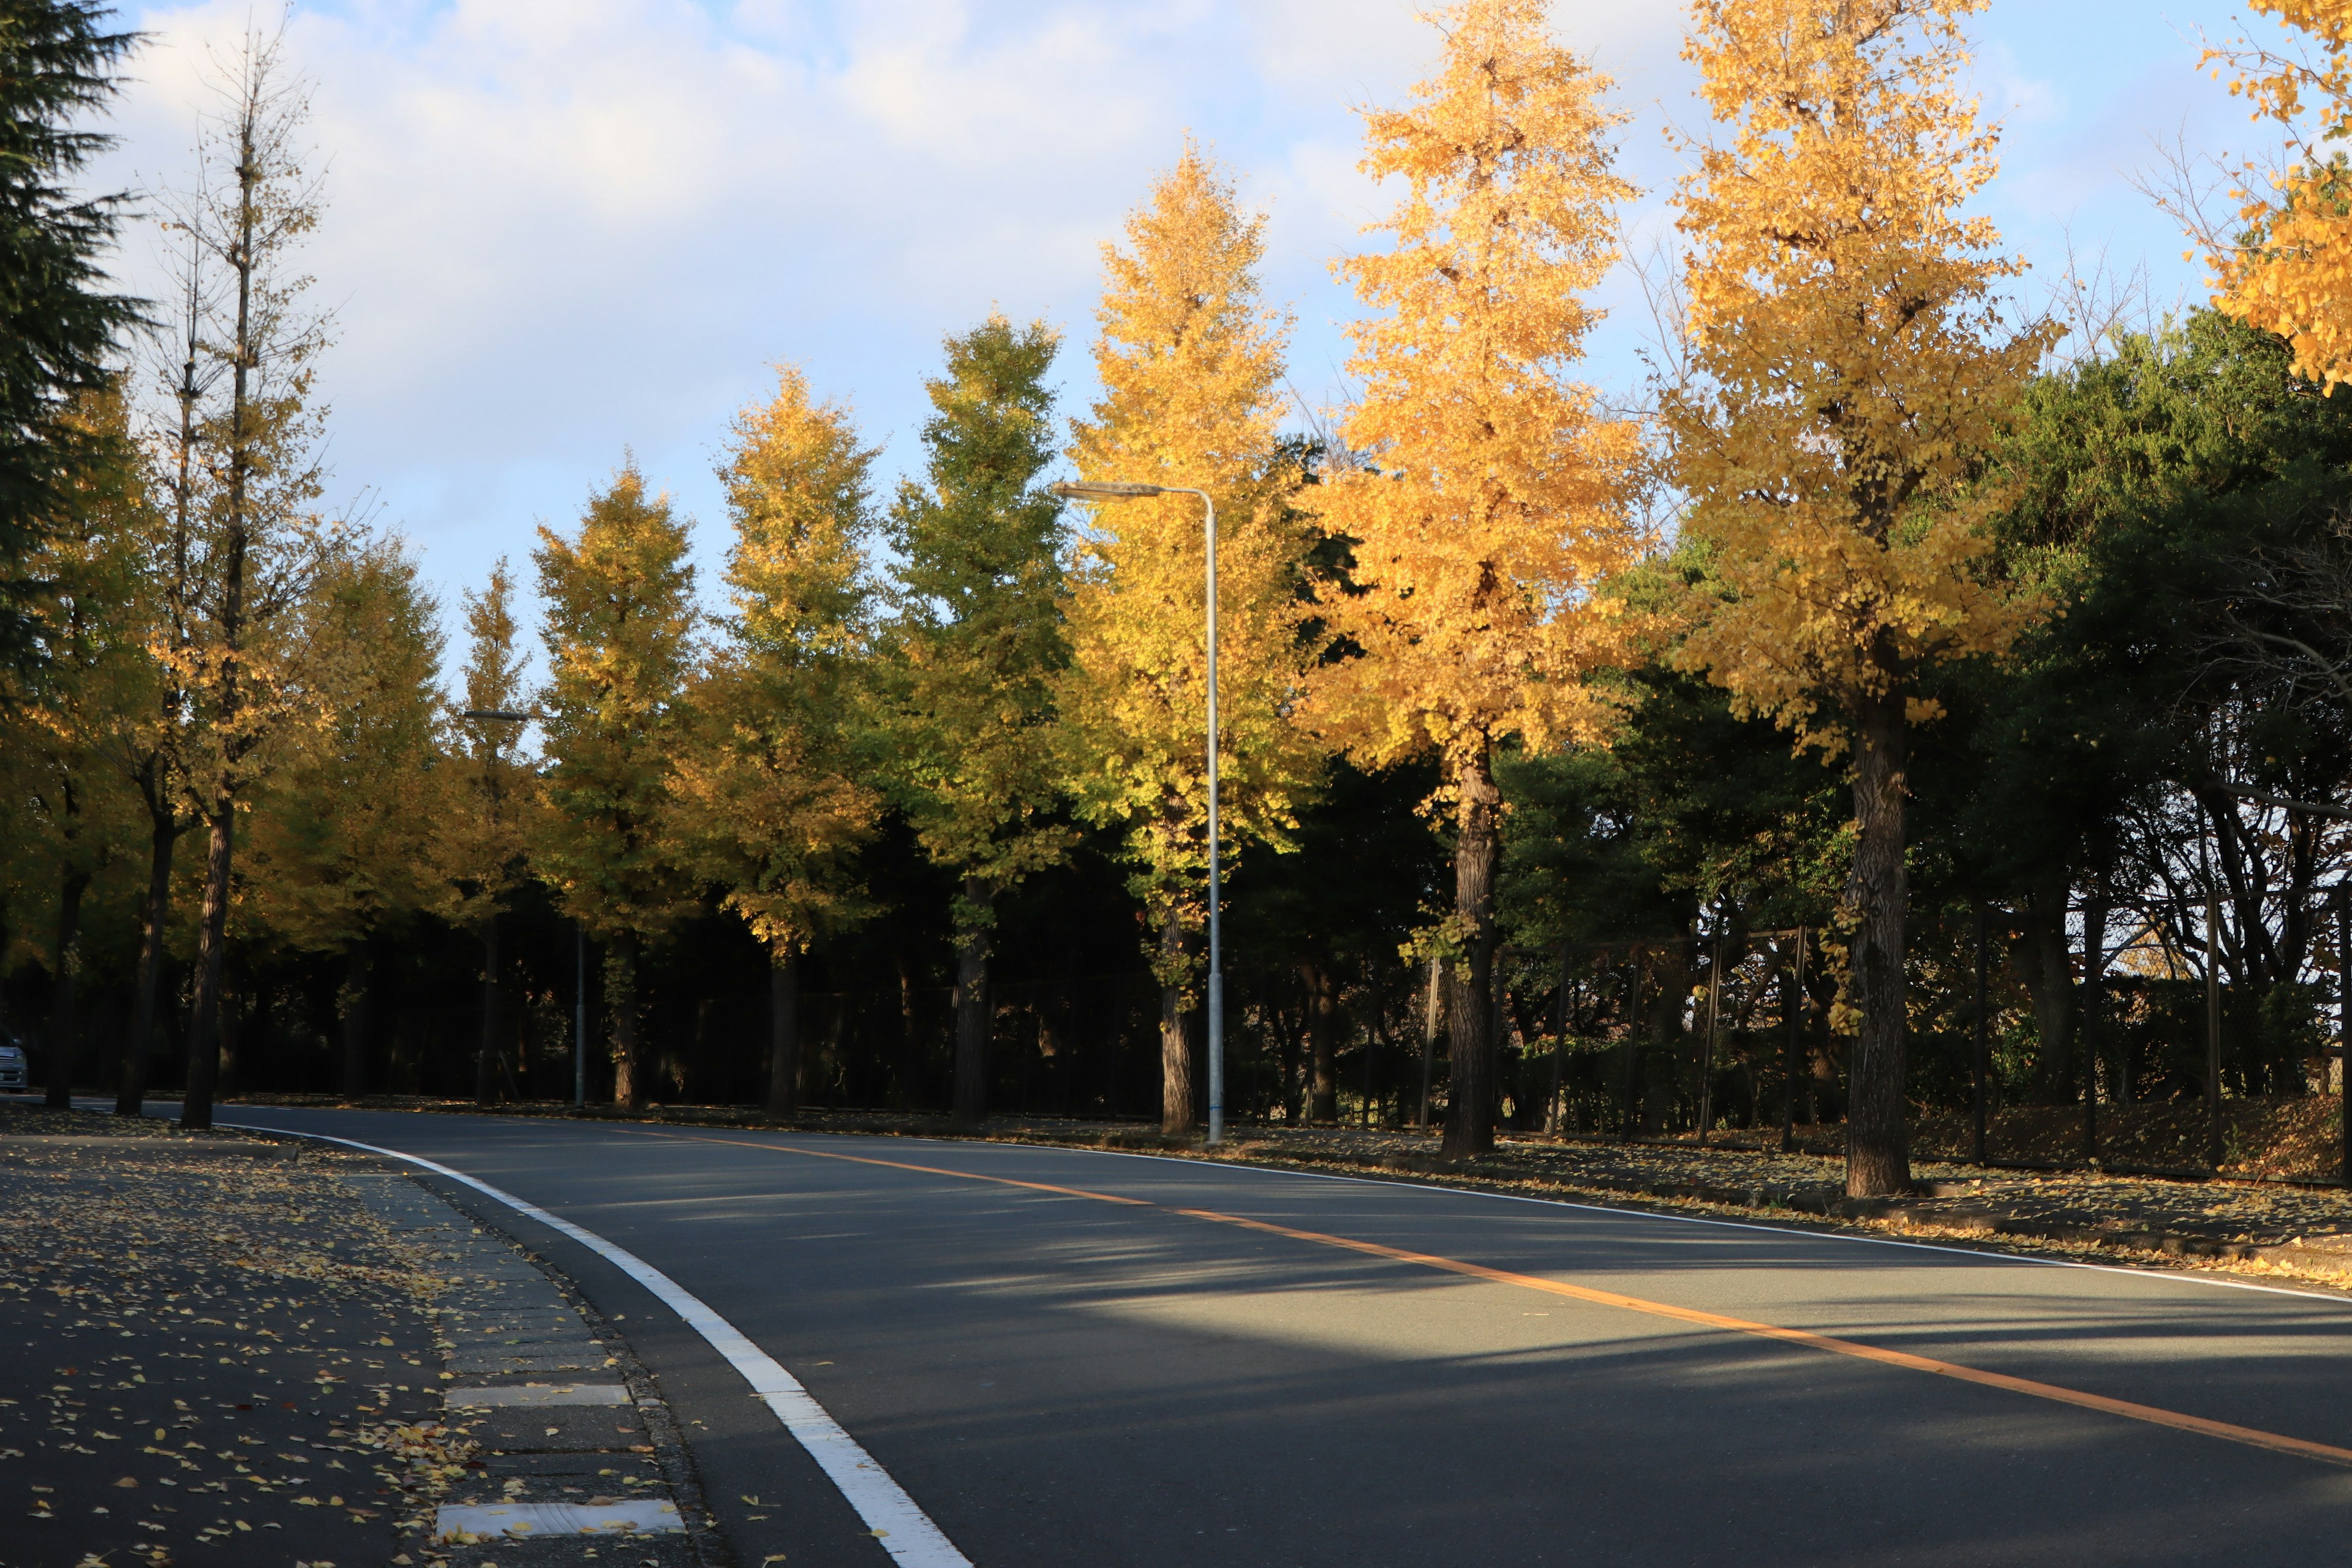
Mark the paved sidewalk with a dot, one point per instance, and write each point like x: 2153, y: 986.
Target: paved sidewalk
x: 565, y: 1466
x: 213, y: 1354
x: 221, y: 1348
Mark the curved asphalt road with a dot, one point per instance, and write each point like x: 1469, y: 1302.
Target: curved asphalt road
x: 1062, y: 1381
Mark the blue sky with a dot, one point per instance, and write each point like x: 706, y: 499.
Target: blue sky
x: 564, y: 228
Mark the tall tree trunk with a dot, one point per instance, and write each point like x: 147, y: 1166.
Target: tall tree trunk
x: 1478, y: 850
x: 355, y: 1021
x: 1879, y: 1146
x: 1322, y: 1009
x: 971, y: 1101
x: 621, y: 1006
x: 212, y: 954
x: 139, y: 1049
x: 2046, y: 964
x: 1176, y: 1096
x: 783, y: 1032
x: 63, y: 1026
x: 913, y: 1078
x: 486, y: 1049
x: 220, y: 813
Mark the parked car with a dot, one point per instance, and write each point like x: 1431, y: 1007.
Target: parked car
x: 12, y: 1065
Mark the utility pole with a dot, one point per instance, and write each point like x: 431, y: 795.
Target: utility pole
x: 1107, y: 490
x: 1428, y: 1043
x: 1979, y: 1064
x: 580, y: 1017
x: 487, y: 1045
x: 2095, y: 997
x: 1793, y: 1003
x: 2213, y: 1031
x: 2344, y: 1018
x: 1706, y: 1052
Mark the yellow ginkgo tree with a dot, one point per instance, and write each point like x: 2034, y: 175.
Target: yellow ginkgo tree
x: 479, y: 842
x: 767, y: 805
x: 2290, y: 269
x: 619, y: 632
x: 1491, y: 502
x: 1190, y: 358
x: 1849, y: 363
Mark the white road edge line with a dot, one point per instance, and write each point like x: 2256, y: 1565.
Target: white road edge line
x: 901, y: 1529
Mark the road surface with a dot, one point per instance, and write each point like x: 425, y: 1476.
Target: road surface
x: 1236, y: 1366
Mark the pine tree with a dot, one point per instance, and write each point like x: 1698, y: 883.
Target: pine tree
x: 58, y: 325
x: 1190, y: 364
x: 974, y: 648
x: 767, y: 805
x: 1851, y: 366
x: 1491, y: 506
x: 619, y: 635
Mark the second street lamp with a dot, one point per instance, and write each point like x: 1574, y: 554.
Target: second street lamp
x: 1109, y: 491
x: 488, y: 1044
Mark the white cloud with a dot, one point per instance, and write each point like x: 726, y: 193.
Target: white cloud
x: 559, y: 228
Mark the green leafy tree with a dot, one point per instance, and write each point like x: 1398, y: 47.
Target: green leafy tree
x: 619, y: 634
x: 973, y: 648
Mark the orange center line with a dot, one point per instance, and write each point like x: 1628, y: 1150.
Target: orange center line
x: 2154, y: 1414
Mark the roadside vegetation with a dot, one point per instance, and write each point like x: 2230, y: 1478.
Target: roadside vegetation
x: 1935, y: 698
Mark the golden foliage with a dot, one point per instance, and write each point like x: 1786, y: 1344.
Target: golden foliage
x: 620, y: 621
x: 344, y: 827
x: 480, y: 845
x: 2291, y: 272
x: 1491, y: 504
x: 763, y: 803
x: 1190, y: 362
x: 1850, y: 361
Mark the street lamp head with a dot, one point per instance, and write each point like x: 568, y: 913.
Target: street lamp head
x: 1106, y: 490
x: 501, y: 714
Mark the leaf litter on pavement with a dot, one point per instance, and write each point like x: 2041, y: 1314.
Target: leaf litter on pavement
x: 217, y: 1352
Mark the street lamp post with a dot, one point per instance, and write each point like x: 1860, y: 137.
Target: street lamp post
x: 1113, y: 491
x: 490, y: 925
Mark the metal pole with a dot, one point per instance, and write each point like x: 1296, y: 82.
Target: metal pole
x: 1216, y: 915
x: 1793, y: 992
x: 1707, y: 1061
x: 2094, y: 1002
x: 2344, y: 1015
x: 580, y: 1018
x: 2213, y: 1031
x: 1559, y: 1110
x: 1428, y: 1044
x: 1980, y: 1064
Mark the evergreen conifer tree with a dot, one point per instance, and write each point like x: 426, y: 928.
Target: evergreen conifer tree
x: 976, y: 641
x: 57, y: 324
